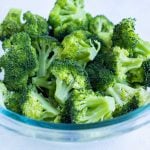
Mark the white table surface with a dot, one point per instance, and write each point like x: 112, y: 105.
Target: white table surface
x: 115, y: 10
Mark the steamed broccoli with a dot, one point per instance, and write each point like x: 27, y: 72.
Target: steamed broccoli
x: 89, y: 107
x: 140, y: 75
x: 135, y: 98
x: 124, y: 36
x: 68, y: 16
x: 103, y: 28
x: 69, y: 75
x: 100, y: 78
x: 38, y: 107
x: 120, y: 63
x: 11, y: 24
x: 80, y: 46
x: 19, y: 62
x: 121, y: 92
x: 15, y: 100
x: 35, y: 25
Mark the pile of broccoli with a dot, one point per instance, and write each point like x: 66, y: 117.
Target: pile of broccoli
x: 73, y: 67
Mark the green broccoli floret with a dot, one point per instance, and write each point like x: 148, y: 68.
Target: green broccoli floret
x: 124, y: 36
x: 140, y: 75
x: 121, y: 92
x: 103, y: 28
x: 19, y: 62
x: 47, y: 49
x: 80, y: 46
x: 15, y: 100
x: 38, y: 107
x: 120, y: 63
x: 68, y: 16
x: 69, y: 75
x: 139, y: 98
x: 35, y: 25
x: 11, y: 24
x: 100, y: 78
x: 128, y: 107
x: 90, y: 107
x: 3, y: 94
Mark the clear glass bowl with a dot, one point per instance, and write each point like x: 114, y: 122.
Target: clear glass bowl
x: 115, y: 10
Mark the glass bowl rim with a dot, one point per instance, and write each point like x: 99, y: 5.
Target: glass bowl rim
x: 62, y: 126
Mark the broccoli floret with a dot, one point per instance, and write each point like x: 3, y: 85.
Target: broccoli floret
x: 38, y: 107
x: 103, y: 28
x: 121, y: 92
x: 19, y: 62
x: 47, y: 49
x: 11, y: 24
x: 90, y: 107
x: 140, y: 75
x: 139, y: 98
x: 124, y: 36
x: 69, y: 75
x: 35, y: 25
x: 120, y: 63
x: 80, y: 46
x: 3, y: 94
x: 100, y: 78
x: 15, y: 100
x: 128, y: 107
x: 68, y: 16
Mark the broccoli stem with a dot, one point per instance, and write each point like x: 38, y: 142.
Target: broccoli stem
x: 143, y: 48
x: 45, y: 103
x: 62, y: 91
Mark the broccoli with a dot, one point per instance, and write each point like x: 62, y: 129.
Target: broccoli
x: 139, y: 98
x: 47, y: 48
x: 80, y: 46
x: 128, y: 107
x: 100, y: 78
x: 11, y: 24
x: 120, y: 63
x: 19, y: 62
x: 38, y: 107
x: 35, y: 25
x: 69, y: 75
x: 90, y: 107
x: 68, y: 16
x: 121, y: 92
x: 103, y: 28
x: 124, y: 36
x: 14, y: 100
x: 140, y: 75
x: 3, y: 94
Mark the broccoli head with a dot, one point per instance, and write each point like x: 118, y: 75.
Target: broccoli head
x: 35, y: 25
x: 36, y: 106
x: 139, y: 98
x: 15, y: 100
x: 140, y: 75
x: 19, y: 62
x: 68, y: 16
x: 100, y: 78
x: 122, y: 93
x: 90, y: 107
x: 124, y: 36
x: 69, y: 75
x: 11, y: 24
x: 103, y: 28
x: 80, y: 46
x: 120, y: 63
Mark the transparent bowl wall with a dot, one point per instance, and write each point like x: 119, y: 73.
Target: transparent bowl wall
x: 115, y: 10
